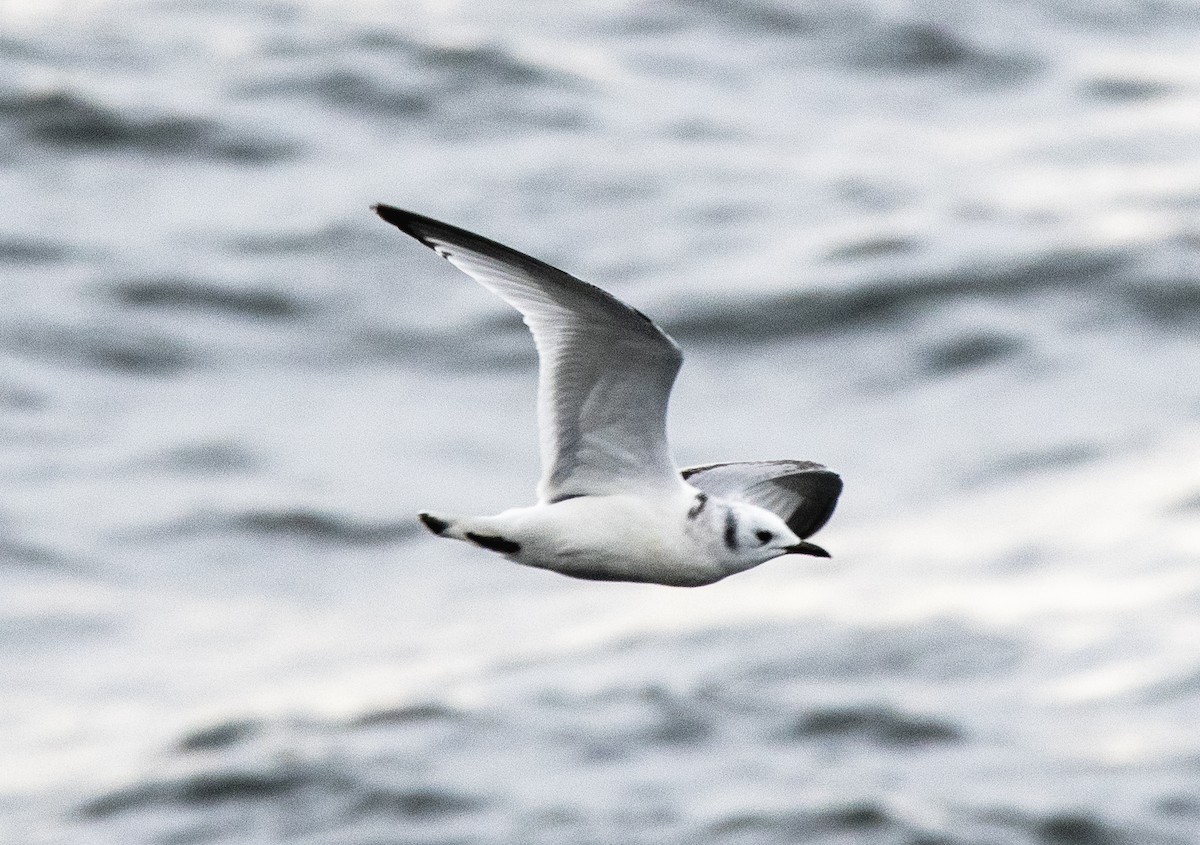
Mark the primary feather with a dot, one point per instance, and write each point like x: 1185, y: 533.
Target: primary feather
x: 802, y: 493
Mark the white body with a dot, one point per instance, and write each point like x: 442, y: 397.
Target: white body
x: 626, y: 537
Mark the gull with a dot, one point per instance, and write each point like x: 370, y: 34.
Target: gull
x: 611, y: 505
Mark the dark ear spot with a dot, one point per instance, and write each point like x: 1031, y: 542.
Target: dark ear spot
x: 764, y: 537
x: 730, y: 530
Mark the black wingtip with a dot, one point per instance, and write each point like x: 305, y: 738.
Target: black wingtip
x: 396, y: 216
x: 412, y: 224
x: 419, y: 226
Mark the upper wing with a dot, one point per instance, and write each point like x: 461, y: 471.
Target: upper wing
x: 802, y: 493
x: 606, y: 369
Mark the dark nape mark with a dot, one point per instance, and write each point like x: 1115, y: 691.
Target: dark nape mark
x: 437, y: 526
x: 495, y: 544
x: 701, y: 501
x: 566, y: 497
x: 730, y: 530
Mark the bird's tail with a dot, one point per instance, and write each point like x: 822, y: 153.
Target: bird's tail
x: 471, y: 531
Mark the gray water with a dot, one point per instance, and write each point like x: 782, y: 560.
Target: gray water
x: 949, y: 249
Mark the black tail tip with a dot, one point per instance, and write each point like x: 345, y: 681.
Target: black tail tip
x: 437, y: 526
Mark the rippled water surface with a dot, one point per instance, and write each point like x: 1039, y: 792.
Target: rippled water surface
x: 950, y: 250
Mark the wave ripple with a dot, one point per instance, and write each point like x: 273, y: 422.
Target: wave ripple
x: 70, y: 121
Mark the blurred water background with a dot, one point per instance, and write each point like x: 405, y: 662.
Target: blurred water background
x: 951, y: 249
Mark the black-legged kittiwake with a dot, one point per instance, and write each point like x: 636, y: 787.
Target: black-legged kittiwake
x: 611, y: 504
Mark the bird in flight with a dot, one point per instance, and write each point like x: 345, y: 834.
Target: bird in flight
x: 611, y: 505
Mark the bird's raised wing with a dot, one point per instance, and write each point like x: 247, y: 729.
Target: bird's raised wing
x: 801, y: 493
x: 606, y: 369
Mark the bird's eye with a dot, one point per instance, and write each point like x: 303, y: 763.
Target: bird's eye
x: 764, y: 536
